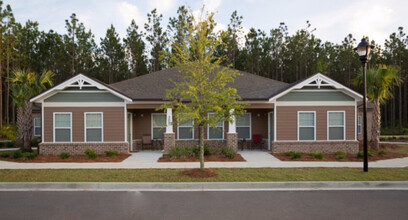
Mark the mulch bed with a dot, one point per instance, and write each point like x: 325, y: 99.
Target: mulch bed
x: 197, y: 173
x: 213, y: 158
x: 348, y: 158
x: 71, y: 159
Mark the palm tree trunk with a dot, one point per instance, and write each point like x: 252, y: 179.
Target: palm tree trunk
x: 376, y: 125
x: 201, y: 144
x: 28, y: 125
x: 20, y: 126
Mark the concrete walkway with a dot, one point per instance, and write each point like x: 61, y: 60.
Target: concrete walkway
x: 148, y: 160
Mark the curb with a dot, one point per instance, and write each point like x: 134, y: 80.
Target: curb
x: 203, y: 186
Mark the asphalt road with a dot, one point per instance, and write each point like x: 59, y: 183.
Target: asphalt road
x: 205, y: 205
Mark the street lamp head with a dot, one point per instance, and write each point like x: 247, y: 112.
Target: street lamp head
x: 363, y: 49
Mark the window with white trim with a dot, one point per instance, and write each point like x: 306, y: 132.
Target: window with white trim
x: 243, y: 126
x: 335, y: 125
x: 62, y: 127
x: 217, y: 132
x: 93, y: 127
x: 185, y: 131
x: 37, y: 126
x: 359, y: 121
x: 306, y: 126
x: 158, y: 125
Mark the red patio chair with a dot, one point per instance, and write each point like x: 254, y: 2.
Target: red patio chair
x: 257, y: 140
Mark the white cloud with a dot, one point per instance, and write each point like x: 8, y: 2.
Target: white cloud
x: 162, y: 6
x: 212, y: 5
x: 127, y: 12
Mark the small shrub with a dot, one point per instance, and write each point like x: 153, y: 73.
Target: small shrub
x: 207, y: 150
x: 91, y: 153
x: 5, y: 154
x: 64, y: 155
x: 340, y: 155
x: 370, y: 153
x: 9, y: 132
x: 29, y: 155
x: 10, y: 144
x: 110, y: 153
x: 360, y: 154
x: 293, y: 154
x: 35, y: 142
x: 228, y: 152
x: 382, y: 152
x: 17, y: 154
x: 317, y: 155
x: 182, y: 152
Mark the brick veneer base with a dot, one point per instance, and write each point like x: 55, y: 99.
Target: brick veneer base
x: 316, y: 146
x: 232, y: 141
x: 79, y: 148
x: 169, y: 141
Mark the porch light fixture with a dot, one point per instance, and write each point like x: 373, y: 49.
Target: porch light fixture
x: 363, y: 49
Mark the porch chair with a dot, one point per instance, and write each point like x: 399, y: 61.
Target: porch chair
x: 257, y: 141
x: 146, y: 140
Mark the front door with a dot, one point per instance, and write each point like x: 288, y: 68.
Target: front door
x: 271, y: 126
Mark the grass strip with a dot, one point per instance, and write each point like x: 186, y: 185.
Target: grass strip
x: 224, y: 175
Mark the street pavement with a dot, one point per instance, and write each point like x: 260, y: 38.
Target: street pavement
x: 325, y: 204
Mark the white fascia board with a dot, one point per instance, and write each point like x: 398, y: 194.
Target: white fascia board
x: 324, y: 78
x: 67, y: 83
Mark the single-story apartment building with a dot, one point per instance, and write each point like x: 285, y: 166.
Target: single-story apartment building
x: 316, y: 114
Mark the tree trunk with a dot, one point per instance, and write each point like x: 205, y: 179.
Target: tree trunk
x: 20, y: 126
x: 28, y: 126
x: 405, y: 103
x: 7, y: 84
x: 201, y: 130
x: 376, y: 125
x: 1, y: 83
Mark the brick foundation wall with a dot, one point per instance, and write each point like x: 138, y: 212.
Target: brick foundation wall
x: 316, y: 146
x: 232, y: 141
x: 79, y: 148
x: 169, y: 141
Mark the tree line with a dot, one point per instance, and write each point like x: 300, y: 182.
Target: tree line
x: 148, y: 47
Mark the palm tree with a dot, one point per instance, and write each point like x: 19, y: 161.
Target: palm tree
x: 380, y: 82
x: 25, y: 84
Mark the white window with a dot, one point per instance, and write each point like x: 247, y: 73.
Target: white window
x: 217, y: 132
x: 37, y: 126
x: 158, y: 125
x: 62, y: 127
x: 93, y: 127
x: 336, y: 128
x: 243, y: 124
x: 185, y: 131
x: 306, y: 126
x: 359, y: 121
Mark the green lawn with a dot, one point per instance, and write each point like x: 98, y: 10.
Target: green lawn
x: 224, y: 175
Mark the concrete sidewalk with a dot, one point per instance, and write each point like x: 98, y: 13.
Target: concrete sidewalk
x: 150, y: 162
x: 206, y: 186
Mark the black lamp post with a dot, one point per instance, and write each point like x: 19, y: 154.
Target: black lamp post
x: 363, y: 49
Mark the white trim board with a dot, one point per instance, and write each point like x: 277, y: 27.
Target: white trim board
x: 79, y: 81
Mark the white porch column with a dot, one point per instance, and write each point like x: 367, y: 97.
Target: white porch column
x: 232, y: 129
x: 169, y: 121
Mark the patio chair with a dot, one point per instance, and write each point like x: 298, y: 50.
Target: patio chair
x: 146, y: 140
x: 257, y: 141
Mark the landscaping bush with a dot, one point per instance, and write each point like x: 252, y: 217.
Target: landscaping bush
x: 207, y: 150
x: 317, y: 155
x: 228, y: 152
x: 29, y: 155
x: 91, y: 153
x: 340, y: 155
x: 64, y: 155
x: 110, y: 153
x: 293, y: 154
x: 360, y: 154
x: 10, y: 144
x: 17, y: 154
x: 181, y: 152
x: 5, y: 154
x: 382, y: 152
x: 370, y: 153
x: 35, y: 141
x: 9, y: 132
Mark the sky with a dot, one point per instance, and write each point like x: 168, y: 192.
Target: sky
x: 333, y: 19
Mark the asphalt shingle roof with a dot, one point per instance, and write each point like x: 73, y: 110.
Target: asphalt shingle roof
x: 153, y: 86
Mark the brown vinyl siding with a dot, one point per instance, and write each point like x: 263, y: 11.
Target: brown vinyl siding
x: 286, y: 121
x: 113, y: 122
